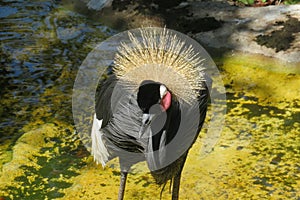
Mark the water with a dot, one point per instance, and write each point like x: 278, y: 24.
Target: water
x: 42, y: 45
x: 39, y: 41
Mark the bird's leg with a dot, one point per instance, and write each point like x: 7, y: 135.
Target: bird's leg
x: 176, y: 180
x: 122, y: 185
x: 176, y: 185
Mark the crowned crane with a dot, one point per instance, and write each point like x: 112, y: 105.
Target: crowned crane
x: 151, y: 108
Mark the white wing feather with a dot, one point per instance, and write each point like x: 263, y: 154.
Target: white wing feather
x: 99, y: 150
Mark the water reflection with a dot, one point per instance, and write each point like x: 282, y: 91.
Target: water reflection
x: 39, y: 40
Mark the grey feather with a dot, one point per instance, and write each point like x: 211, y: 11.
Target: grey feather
x: 162, y: 147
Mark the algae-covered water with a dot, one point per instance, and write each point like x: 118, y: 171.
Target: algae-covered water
x: 42, y: 46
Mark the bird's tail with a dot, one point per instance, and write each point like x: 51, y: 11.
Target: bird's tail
x: 168, y: 174
x: 163, y: 175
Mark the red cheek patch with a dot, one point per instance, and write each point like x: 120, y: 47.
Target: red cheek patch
x: 166, y: 101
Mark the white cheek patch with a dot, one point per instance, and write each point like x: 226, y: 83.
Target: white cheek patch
x: 163, y: 91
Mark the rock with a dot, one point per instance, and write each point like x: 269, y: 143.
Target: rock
x: 271, y: 31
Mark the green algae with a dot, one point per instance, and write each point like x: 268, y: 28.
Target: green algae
x: 269, y: 80
x: 261, y: 133
x: 44, y: 161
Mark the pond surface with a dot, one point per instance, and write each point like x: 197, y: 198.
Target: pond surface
x: 41, y: 42
x: 42, y: 45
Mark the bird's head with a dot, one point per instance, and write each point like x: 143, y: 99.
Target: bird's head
x: 150, y: 95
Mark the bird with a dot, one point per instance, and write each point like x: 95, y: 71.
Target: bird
x: 151, y: 107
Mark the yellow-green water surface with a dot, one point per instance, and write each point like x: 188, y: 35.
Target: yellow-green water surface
x: 257, y: 156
